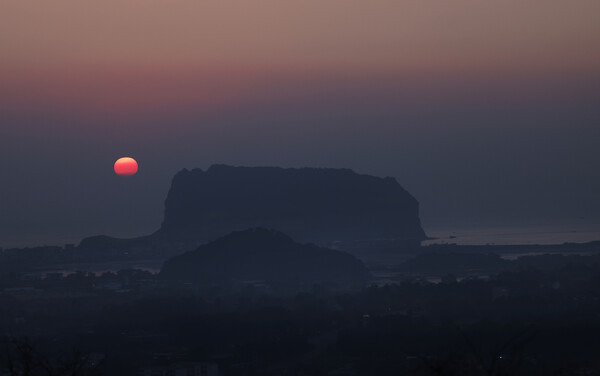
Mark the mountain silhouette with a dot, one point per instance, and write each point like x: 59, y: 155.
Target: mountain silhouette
x: 319, y: 205
x: 313, y: 205
x: 265, y: 255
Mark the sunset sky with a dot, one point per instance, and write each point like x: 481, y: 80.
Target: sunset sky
x: 487, y: 112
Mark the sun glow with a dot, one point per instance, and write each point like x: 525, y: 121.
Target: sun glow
x: 126, y: 166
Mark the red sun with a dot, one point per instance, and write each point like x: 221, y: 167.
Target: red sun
x: 126, y: 166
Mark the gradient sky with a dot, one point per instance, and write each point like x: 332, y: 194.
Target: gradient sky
x: 487, y: 112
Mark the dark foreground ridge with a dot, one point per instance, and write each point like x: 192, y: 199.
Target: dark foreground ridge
x: 318, y: 205
x: 264, y: 255
x: 534, y: 316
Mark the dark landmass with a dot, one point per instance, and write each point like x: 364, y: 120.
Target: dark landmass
x: 486, y: 263
x: 104, y: 249
x: 267, y: 256
x: 255, y: 302
x: 317, y: 205
x: 516, y: 248
x: 541, y: 319
x: 440, y: 261
x: 313, y: 205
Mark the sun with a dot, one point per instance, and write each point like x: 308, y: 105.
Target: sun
x: 126, y: 166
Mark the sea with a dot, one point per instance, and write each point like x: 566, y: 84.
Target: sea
x: 507, y: 234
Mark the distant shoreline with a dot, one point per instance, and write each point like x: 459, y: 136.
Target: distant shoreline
x: 372, y: 258
x: 479, y: 234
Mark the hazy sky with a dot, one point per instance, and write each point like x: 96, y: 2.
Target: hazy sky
x: 485, y: 111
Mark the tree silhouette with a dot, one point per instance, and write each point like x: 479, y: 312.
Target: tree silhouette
x: 22, y: 358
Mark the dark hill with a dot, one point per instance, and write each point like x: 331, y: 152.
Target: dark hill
x: 311, y: 204
x: 266, y: 255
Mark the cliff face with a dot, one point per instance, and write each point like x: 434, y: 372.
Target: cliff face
x: 263, y: 255
x: 309, y: 204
